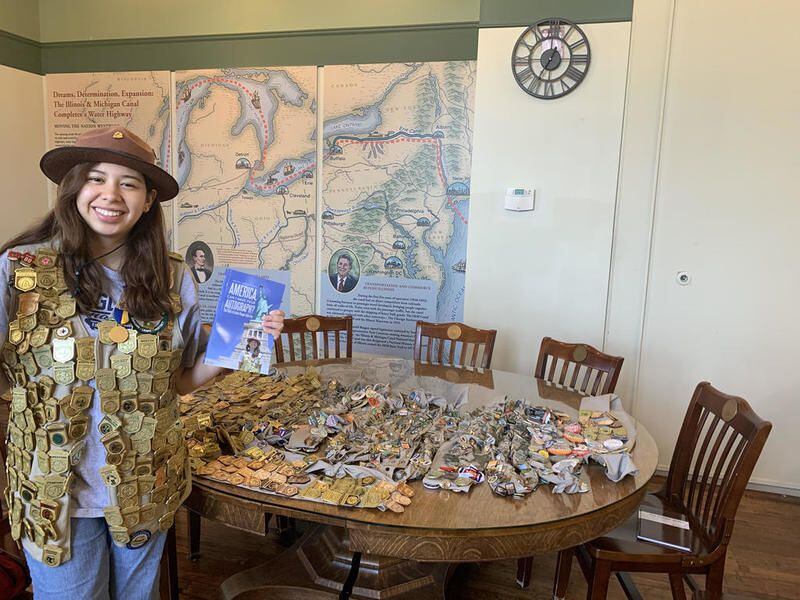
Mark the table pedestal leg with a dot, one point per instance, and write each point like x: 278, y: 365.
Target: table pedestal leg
x: 319, y: 565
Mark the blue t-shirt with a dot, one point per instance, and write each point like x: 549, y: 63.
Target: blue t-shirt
x: 89, y: 493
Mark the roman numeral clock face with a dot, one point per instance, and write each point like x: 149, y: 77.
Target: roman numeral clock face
x: 550, y: 58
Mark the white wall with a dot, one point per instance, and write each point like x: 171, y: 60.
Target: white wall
x: 727, y: 211
x: 22, y: 132
x: 544, y: 272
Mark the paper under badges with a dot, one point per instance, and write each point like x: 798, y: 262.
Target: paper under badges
x: 237, y: 338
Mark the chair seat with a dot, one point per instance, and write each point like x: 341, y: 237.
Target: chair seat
x: 621, y: 543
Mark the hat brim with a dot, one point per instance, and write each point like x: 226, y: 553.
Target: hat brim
x: 56, y: 163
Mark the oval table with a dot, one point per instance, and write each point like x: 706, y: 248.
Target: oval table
x: 366, y: 553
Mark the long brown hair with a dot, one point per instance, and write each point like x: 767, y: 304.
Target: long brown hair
x: 145, y: 271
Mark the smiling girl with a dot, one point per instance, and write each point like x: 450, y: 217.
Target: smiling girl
x: 100, y: 331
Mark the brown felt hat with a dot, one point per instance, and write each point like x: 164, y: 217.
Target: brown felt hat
x: 113, y: 145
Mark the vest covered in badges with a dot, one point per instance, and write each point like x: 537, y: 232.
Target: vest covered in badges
x: 50, y: 360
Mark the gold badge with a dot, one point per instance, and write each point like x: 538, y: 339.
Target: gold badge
x: 51, y: 409
x: 121, y: 363
x: 55, y: 486
x: 117, y: 135
x: 85, y: 370
x: 39, y: 337
x: 52, y: 555
x: 161, y: 383
x: 129, y: 345
x: 165, y: 522
x: 63, y: 350
x: 67, y: 306
x: 59, y: 461
x: 109, y: 402
x: 161, y: 362
x: 106, y: 379
x: 130, y: 516
x: 141, y: 363
x: 46, y: 278
x: 104, y: 329
x: 27, y: 323
x: 78, y: 426
x: 81, y: 397
x: 175, y: 359
x: 113, y: 514
x: 24, y: 279
x: 175, y: 303
x: 111, y: 477
x: 145, y: 382
x: 15, y: 334
x: 85, y: 349
x: 147, y: 345
x: 132, y: 422
x: 43, y: 357
x: 64, y: 373
x: 24, y: 345
x: 129, y: 383
x: 31, y: 368
x: 119, y: 535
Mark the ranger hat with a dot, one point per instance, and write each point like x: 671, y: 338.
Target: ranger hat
x: 113, y: 145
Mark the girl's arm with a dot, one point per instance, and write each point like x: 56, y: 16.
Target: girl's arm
x: 188, y: 380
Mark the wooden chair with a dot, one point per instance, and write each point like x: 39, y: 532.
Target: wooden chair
x: 717, y: 449
x: 314, y: 333
x: 580, y: 367
x: 449, y: 344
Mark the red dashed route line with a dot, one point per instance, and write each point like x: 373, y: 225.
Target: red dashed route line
x: 416, y: 140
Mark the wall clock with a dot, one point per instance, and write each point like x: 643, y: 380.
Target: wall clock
x: 551, y: 58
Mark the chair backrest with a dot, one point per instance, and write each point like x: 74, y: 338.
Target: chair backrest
x: 578, y: 366
x: 719, y: 443
x: 454, y: 344
x: 313, y: 337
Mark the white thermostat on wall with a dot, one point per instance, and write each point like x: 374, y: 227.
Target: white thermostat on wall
x: 519, y: 199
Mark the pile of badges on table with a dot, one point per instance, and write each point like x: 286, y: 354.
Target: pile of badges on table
x: 358, y: 446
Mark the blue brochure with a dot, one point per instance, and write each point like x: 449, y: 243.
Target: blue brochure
x: 237, y: 339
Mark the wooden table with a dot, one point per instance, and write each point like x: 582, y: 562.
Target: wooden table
x: 364, y: 553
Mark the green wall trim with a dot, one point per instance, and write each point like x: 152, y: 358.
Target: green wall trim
x: 513, y: 13
x: 20, y: 53
x: 450, y: 41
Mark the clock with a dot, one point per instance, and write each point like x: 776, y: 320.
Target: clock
x: 551, y: 58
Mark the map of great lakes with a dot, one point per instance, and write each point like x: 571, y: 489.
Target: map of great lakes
x: 246, y: 164
x: 398, y: 149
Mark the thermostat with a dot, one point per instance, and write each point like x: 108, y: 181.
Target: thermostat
x: 519, y: 199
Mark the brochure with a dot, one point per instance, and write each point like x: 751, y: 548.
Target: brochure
x: 665, y: 529
x: 237, y: 338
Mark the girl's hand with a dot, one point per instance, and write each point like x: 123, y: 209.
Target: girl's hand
x: 273, y: 322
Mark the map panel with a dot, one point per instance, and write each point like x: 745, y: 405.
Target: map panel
x: 137, y: 100
x: 246, y: 164
x: 396, y: 172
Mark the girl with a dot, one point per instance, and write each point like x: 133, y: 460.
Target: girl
x: 100, y: 331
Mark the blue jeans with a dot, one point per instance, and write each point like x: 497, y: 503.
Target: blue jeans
x: 99, y: 569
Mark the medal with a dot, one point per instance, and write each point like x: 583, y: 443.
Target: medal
x: 118, y: 334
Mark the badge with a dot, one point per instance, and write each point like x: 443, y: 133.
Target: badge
x: 132, y: 422
x: 66, y: 409
x: 27, y: 323
x: 46, y: 278
x: 176, y: 359
x: 43, y: 357
x: 24, y: 279
x: 39, y: 336
x: 31, y: 368
x: 113, y: 515
x: 141, y: 447
x: 43, y: 460
x: 145, y: 381
x: 109, y: 402
x: 121, y: 363
x: 147, y: 345
x: 54, y: 486
x: 130, y: 518
x: 76, y: 453
x: 81, y: 397
x: 28, y: 304
x: 106, y: 379
x: 161, y: 362
x: 15, y: 334
x: 165, y: 522
x: 128, y: 489
x: 108, y: 424
x: 119, y: 535
x: 129, y: 383
x: 118, y: 334
x: 67, y: 306
x: 140, y: 363
x: 138, y: 539
x: 78, y: 426
x: 129, y: 403
x: 148, y: 512
x: 24, y: 345
x: 63, y: 350
x: 59, y: 461
x: 147, y: 429
x: 110, y: 476
x: 161, y: 383
x: 85, y: 346
x: 46, y: 257
x: 85, y: 370
x: 65, y: 331
x: 129, y: 345
x: 113, y: 443
x: 64, y: 373
x: 20, y: 378
x: 52, y: 555
x: 104, y: 329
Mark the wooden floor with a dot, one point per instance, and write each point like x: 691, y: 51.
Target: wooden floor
x: 763, y: 561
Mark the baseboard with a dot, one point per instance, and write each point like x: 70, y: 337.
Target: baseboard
x: 756, y: 484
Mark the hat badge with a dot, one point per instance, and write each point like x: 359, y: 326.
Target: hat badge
x: 117, y: 135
